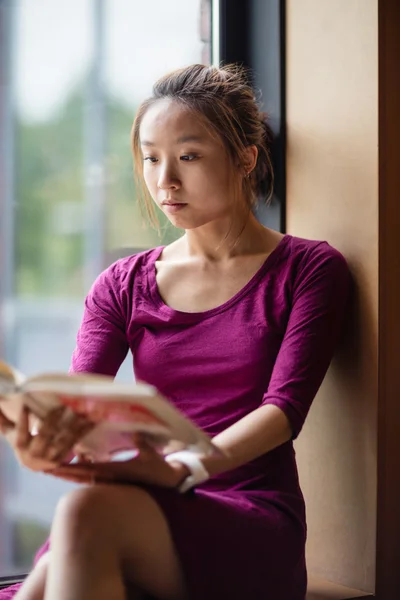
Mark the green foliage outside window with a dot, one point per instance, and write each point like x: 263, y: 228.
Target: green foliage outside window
x: 50, y: 199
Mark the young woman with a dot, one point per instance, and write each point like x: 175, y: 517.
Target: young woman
x: 236, y: 324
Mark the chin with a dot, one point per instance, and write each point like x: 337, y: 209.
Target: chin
x: 189, y: 224
x: 187, y: 220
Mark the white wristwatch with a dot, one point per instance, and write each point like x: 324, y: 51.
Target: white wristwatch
x: 198, y: 473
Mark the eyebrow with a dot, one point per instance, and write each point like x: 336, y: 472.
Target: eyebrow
x: 181, y: 140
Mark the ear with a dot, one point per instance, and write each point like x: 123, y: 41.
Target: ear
x: 250, y: 159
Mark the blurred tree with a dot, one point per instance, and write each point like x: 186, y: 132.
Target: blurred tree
x: 50, y: 198
x: 28, y: 537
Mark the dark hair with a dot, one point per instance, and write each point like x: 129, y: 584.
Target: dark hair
x: 224, y: 100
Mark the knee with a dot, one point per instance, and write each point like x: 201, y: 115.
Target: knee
x: 99, y: 508
x: 97, y: 513
x: 84, y: 511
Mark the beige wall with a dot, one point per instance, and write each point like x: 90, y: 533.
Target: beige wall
x: 332, y: 194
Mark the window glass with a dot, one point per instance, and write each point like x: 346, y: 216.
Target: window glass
x: 75, y: 73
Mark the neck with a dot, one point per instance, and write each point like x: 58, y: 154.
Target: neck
x: 221, y: 241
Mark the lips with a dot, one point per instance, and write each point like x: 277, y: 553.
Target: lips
x: 173, y: 207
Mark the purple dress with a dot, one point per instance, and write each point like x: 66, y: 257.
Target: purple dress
x: 241, y: 534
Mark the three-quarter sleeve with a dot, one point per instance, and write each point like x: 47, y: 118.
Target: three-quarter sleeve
x: 319, y: 299
x: 102, y: 343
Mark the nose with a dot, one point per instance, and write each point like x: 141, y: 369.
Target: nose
x: 167, y: 179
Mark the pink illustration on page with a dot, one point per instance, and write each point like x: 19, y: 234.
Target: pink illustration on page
x: 99, y: 410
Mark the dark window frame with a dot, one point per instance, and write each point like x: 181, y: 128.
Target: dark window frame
x: 252, y: 33
x: 6, y: 582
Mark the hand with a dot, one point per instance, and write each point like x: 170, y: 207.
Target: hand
x: 53, y: 442
x: 148, y: 467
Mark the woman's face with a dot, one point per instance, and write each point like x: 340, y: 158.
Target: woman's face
x: 187, y: 171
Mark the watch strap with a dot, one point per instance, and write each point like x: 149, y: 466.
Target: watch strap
x: 198, y: 472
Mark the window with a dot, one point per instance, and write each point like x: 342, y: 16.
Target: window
x: 252, y: 32
x: 74, y: 73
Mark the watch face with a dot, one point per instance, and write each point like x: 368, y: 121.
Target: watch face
x: 187, y: 484
x: 198, y: 472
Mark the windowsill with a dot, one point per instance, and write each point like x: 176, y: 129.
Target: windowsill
x: 320, y: 589
x: 7, y: 581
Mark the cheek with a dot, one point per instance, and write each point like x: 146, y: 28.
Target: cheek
x: 215, y: 186
x: 210, y: 178
x: 150, y: 182
x: 219, y: 174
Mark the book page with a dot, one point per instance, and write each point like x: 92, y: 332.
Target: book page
x: 118, y: 410
x: 10, y: 378
x: 65, y: 379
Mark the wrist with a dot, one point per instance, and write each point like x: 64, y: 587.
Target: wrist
x: 196, y: 472
x: 215, y: 464
x: 181, y: 472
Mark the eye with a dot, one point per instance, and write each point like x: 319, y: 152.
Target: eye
x: 189, y: 157
x: 150, y: 159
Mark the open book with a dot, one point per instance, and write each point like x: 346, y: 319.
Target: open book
x: 117, y: 409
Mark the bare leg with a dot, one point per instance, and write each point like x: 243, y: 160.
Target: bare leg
x: 34, y: 585
x: 105, y: 535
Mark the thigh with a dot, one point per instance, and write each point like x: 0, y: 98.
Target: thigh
x: 34, y: 585
x: 128, y: 518
x: 232, y: 545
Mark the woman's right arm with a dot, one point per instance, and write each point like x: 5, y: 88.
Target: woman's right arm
x: 101, y: 348
x: 102, y: 343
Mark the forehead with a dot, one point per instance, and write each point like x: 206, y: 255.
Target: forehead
x: 168, y: 119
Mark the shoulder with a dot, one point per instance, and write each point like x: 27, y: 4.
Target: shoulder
x: 306, y: 256
x: 302, y: 250
x: 121, y: 272
x: 113, y: 289
x: 314, y: 267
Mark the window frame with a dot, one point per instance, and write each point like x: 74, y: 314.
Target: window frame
x: 253, y: 33
x: 6, y: 582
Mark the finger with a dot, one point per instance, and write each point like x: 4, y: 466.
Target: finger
x: 51, y: 423
x: 139, y: 440
x: 5, y: 424
x: 75, y: 470
x: 55, y: 443
x: 6, y: 420
x: 74, y: 421
x: 46, y: 432
x: 82, y: 475
x: 142, y: 444
x: 84, y: 458
x: 40, y: 443
x: 94, y: 472
x: 65, y: 440
x: 69, y: 477
x: 22, y: 433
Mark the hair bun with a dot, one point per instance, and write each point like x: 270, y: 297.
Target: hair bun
x: 264, y: 173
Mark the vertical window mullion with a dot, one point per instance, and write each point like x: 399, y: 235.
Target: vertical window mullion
x: 252, y: 33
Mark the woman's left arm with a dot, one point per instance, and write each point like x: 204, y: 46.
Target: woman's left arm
x: 318, y: 305
x: 319, y: 300
x: 255, y: 434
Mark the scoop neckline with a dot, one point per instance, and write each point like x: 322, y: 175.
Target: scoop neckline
x: 169, y: 311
